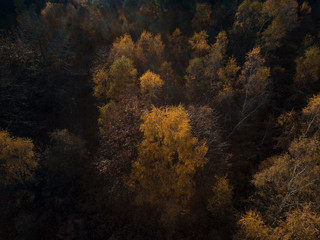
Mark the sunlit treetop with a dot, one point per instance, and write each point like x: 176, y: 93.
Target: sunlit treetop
x: 149, y: 51
x: 254, y: 75
x: 169, y: 156
x: 199, y: 43
x: 123, y: 46
x: 122, y: 78
x: 308, y: 66
x: 17, y: 160
x: 150, y: 82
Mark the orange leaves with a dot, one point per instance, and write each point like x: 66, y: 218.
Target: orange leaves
x: 169, y: 156
x: 123, y: 46
x: 199, y: 43
x: 150, y: 83
x: 302, y: 223
x: 253, y: 227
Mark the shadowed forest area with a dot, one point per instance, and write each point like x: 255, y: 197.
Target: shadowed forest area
x: 160, y: 119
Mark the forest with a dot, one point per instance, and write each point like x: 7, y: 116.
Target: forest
x: 160, y: 119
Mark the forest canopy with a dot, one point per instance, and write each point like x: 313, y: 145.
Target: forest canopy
x: 160, y: 119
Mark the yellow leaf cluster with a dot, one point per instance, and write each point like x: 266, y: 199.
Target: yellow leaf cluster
x: 149, y: 50
x: 221, y: 202
x: 123, y: 46
x: 248, y: 15
x: 308, y: 66
x: 254, y: 75
x: 291, y: 178
x: 122, y: 78
x: 169, y: 156
x: 17, y: 160
x: 302, y: 223
x: 101, y: 86
x: 252, y: 227
x: 150, y: 83
x: 199, y: 43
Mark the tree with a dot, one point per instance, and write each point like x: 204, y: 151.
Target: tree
x: 196, y: 83
x: 178, y: 46
x: 253, y: 227
x: 254, y: 79
x: 308, y: 66
x: 302, y: 223
x: 67, y: 159
x: 53, y: 18
x: 272, y: 36
x: 122, y: 78
x: 199, y: 43
x: 311, y: 114
x: 215, y: 58
x: 286, y: 10
x: 122, y: 46
x: 119, y: 137
x: 150, y: 84
x: 305, y: 8
x: 202, y: 17
x: 149, y: 51
x: 17, y: 160
x: 205, y: 125
x: 169, y: 156
x: 252, y: 86
x: 227, y: 80
x: 248, y: 17
x: 287, y: 181
x: 220, y: 205
x: 101, y: 81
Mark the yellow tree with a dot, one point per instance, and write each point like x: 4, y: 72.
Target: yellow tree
x: 101, y: 84
x: 227, y: 79
x: 169, y: 156
x: 252, y: 86
x: 254, y: 79
x: 150, y: 84
x: 248, y: 17
x: 289, y: 180
x: 220, y: 205
x: 215, y: 59
x: 287, y: 196
x: 123, y: 46
x: 199, y: 43
x: 149, y: 51
x: 252, y: 227
x: 283, y: 15
x: 272, y: 36
x: 286, y: 10
x: 302, y: 223
x: 308, y: 66
x: 122, y: 78
x: 17, y: 160
x: 311, y: 114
